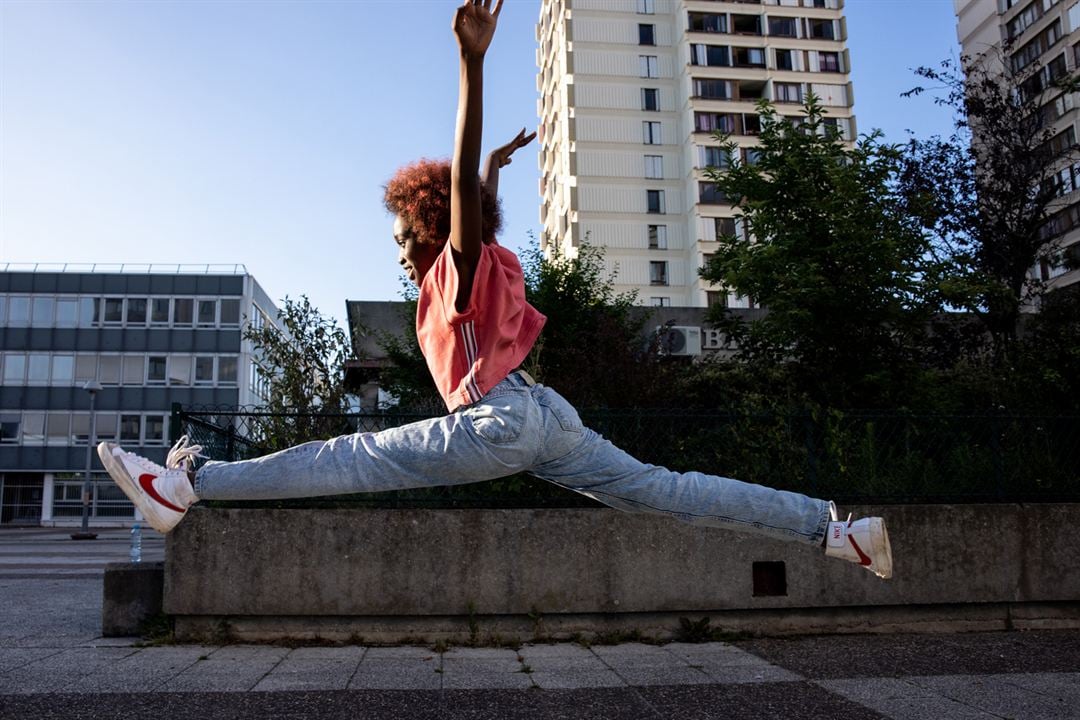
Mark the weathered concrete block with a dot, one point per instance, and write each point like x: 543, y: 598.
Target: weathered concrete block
x: 132, y: 594
x: 381, y: 564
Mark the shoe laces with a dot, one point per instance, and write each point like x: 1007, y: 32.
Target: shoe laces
x: 834, y: 514
x: 182, y: 455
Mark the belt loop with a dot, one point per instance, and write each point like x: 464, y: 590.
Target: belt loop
x: 526, y: 377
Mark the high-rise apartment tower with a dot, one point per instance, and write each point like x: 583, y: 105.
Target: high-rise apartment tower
x: 1043, y: 34
x: 631, y: 94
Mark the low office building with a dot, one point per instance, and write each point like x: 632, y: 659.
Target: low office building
x: 151, y: 336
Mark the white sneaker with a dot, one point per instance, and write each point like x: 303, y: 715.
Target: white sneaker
x: 162, y: 494
x: 864, y: 541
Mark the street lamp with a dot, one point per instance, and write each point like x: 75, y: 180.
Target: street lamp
x: 93, y: 387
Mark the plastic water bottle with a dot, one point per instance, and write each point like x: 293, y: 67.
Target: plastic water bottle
x: 136, y: 544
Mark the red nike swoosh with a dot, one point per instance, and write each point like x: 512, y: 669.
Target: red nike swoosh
x: 146, y: 482
x: 864, y: 559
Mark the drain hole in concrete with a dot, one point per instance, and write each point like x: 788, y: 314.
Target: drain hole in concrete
x: 770, y: 578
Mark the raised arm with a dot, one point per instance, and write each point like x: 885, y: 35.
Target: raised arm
x: 500, y: 157
x: 474, y: 27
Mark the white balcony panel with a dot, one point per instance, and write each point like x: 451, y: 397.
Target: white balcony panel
x: 831, y: 95
x: 622, y: 63
x: 632, y: 234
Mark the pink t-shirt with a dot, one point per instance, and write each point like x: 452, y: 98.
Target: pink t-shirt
x: 469, y: 353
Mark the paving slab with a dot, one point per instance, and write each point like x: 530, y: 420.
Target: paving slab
x: 398, y: 674
x: 639, y: 664
x: 484, y: 669
x: 59, y: 671
x: 567, y: 666
x: 141, y: 671
x: 998, y: 697
x: 725, y: 663
x: 15, y: 657
x: 319, y: 668
x: 228, y: 669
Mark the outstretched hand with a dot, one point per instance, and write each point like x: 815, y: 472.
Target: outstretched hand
x: 502, y: 154
x: 474, y: 25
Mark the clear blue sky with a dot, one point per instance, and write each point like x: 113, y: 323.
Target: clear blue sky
x: 261, y: 132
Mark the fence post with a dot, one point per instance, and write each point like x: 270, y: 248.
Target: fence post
x: 230, y: 443
x: 996, y: 448
x: 176, y: 422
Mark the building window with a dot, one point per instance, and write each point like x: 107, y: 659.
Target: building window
x: 67, y: 312
x: 658, y: 272
x: 155, y: 369
x: 114, y: 310
x: 651, y: 131
x: 821, y: 29
x: 131, y: 428
x: 154, y: 428
x: 109, y: 369
x: 33, y: 431
x: 716, y: 298
x: 648, y: 66
x: 783, y: 27
x: 714, y: 122
x: 785, y: 59
x: 714, y: 157
x: 207, y: 313
x: 134, y: 369
x: 227, y: 369
x: 658, y: 237
x: 829, y: 61
x: 646, y: 34
x: 180, y: 370
x: 14, y: 368
x: 749, y: 57
x: 63, y: 369
x: 204, y: 370
x: 787, y: 92
x: 183, y: 312
x: 85, y: 368
x: 650, y: 99
x: 159, y: 311
x: 654, y: 202
x: 43, y: 311
x: 230, y: 311
x: 37, y: 369
x: 752, y: 155
x: 646, y: 7
x: 105, y: 426
x: 725, y: 228
x: 136, y: 311
x: 18, y: 311
x: 712, y: 89
x: 708, y: 22
x: 710, y: 55
x: 9, y: 427
x: 660, y: 301
x: 654, y: 167
x: 746, y: 24
x: 709, y: 194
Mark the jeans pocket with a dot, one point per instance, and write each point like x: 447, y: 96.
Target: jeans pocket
x: 499, y: 420
x: 563, y: 412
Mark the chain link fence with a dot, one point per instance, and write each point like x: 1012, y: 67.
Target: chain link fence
x: 872, y: 457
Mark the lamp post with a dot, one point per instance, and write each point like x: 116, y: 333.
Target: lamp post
x: 93, y: 387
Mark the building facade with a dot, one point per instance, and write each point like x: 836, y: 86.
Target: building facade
x: 1043, y: 34
x: 150, y: 336
x: 632, y: 92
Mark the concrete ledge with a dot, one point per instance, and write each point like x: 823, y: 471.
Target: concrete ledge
x: 388, y: 575
x: 132, y: 593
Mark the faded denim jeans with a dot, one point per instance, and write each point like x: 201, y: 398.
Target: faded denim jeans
x: 516, y: 427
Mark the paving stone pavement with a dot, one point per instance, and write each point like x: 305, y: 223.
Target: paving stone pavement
x: 54, y: 664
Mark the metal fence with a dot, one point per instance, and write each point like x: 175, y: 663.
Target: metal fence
x: 886, y: 457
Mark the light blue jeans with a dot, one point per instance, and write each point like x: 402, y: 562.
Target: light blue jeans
x: 517, y: 427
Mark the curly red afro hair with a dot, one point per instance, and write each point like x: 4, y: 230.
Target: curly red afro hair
x: 420, y: 193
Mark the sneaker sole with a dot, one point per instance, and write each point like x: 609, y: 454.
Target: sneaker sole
x: 879, y: 539
x: 135, y: 494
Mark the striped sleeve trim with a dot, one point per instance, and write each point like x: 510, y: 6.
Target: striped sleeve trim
x: 468, y: 341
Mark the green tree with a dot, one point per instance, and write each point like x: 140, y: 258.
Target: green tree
x: 993, y: 192
x: 840, y: 268
x: 303, y: 365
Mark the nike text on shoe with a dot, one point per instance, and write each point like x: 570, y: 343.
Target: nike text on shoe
x: 162, y: 494
x: 864, y: 542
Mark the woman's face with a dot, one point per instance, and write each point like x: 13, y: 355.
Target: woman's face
x: 415, y: 258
